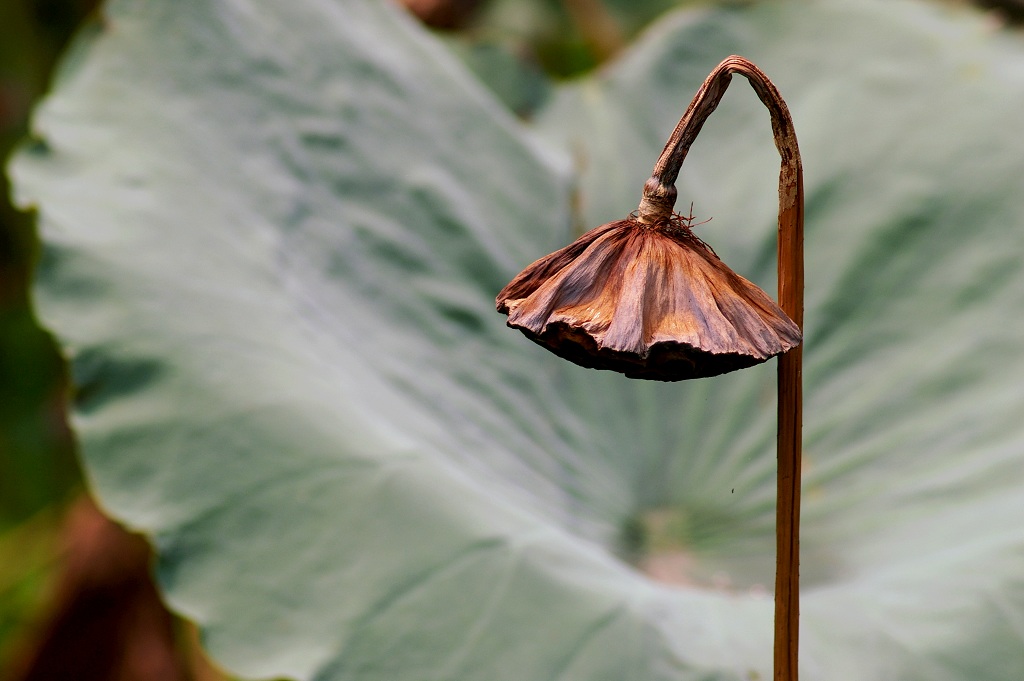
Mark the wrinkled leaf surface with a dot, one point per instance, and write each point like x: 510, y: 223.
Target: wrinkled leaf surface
x: 274, y: 232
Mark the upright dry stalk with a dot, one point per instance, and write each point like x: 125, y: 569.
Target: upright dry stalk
x: 659, y: 198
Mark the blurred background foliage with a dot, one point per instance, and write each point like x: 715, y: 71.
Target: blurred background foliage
x: 37, y: 464
x: 38, y: 472
x: 517, y: 47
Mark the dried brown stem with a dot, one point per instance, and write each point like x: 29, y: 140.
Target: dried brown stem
x: 656, y: 208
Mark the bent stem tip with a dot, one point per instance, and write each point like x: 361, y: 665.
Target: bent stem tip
x: 656, y: 208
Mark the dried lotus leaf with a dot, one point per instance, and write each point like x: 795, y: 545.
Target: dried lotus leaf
x: 649, y: 302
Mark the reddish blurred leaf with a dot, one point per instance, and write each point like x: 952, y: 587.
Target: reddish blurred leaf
x: 107, y: 621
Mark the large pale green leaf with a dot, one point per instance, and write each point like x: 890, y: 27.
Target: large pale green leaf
x: 274, y: 233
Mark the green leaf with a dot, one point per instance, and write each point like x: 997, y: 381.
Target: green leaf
x: 273, y: 236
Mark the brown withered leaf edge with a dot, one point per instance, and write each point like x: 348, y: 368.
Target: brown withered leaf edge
x: 651, y: 302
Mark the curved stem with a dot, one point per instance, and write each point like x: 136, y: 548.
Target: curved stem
x: 656, y: 207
